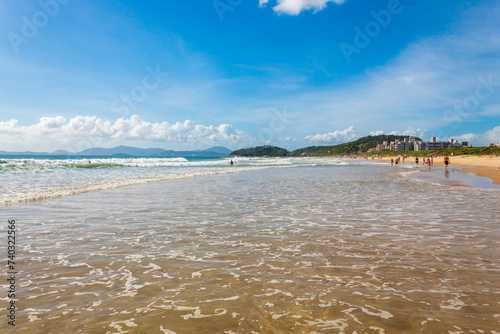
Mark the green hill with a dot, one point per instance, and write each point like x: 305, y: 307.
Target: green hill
x: 353, y: 147
x: 261, y: 151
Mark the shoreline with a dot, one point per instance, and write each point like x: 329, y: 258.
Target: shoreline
x: 482, y: 166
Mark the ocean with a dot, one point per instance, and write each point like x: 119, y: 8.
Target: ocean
x: 29, y: 178
x: 269, y: 245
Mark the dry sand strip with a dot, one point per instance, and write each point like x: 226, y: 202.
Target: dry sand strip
x: 486, y: 166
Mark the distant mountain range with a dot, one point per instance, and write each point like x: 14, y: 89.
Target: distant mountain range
x: 128, y: 151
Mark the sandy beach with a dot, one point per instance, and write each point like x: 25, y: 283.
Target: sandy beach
x: 486, y: 166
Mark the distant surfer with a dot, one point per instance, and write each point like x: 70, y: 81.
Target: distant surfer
x: 232, y: 163
x: 89, y: 162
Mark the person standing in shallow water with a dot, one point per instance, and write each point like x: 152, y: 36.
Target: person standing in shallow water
x: 416, y: 161
x: 446, y: 162
x: 232, y: 163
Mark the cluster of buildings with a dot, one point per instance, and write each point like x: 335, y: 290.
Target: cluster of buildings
x: 411, y: 144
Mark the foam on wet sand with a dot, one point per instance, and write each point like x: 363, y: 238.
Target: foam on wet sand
x: 310, y: 249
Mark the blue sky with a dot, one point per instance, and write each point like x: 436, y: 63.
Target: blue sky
x: 239, y: 73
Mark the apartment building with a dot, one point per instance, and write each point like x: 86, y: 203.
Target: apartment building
x: 411, y: 144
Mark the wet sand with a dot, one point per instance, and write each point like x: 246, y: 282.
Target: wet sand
x: 485, y: 166
x: 326, y: 249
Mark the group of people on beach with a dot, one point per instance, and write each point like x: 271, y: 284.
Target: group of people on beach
x: 429, y: 162
x: 397, y: 161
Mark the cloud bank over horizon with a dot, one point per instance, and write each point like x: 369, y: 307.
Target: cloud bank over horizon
x: 89, y: 131
x: 83, y: 132
x: 489, y: 137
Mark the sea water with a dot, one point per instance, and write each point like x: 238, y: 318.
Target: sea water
x: 29, y: 178
x: 328, y: 246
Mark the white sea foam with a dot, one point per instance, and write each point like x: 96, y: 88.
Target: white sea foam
x: 27, y: 180
x: 266, y: 251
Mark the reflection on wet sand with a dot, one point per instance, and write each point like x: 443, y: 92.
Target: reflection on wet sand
x: 454, y: 177
x: 307, y: 250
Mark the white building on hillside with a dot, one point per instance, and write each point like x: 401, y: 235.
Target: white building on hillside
x: 411, y: 144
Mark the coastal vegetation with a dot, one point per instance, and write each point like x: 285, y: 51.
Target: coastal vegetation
x: 480, y: 150
x: 354, y: 147
x: 360, y: 147
x: 262, y: 151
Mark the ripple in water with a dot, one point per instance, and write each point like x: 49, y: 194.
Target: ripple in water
x: 354, y: 249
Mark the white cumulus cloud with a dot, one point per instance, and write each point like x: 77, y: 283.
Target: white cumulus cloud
x: 376, y: 132
x: 337, y: 136
x: 411, y: 131
x: 485, y: 138
x: 263, y: 3
x: 52, y: 132
x: 295, y: 7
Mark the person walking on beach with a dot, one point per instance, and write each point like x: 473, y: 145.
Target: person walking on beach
x: 446, y: 161
x: 392, y: 161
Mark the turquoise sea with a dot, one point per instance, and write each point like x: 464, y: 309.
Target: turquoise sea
x: 29, y: 178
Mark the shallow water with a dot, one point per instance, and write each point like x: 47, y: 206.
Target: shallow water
x: 29, y: 179
x: 454, y: 176
x: 325, y: 249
